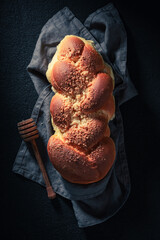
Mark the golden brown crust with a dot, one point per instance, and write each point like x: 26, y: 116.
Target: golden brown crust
x: 60, y: 112
x: 71, y: 49
x: 81, y: 148
x: 109, y: 107
x: 76, y: 166
x: 91, y: 60
x: 86, y: 135
x: 67, y: 78
x: 98, y: 93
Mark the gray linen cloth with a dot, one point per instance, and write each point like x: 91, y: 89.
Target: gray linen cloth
x: 92, y: 203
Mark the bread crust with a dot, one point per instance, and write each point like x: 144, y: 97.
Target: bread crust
x: 77, y: 166
x: 81, y: 148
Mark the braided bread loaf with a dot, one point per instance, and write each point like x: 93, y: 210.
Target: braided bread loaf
x: 81, y: 148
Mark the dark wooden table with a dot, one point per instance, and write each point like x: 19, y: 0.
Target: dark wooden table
x: 26, y: 213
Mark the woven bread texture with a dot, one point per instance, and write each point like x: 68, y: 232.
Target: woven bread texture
x: 81, y: 148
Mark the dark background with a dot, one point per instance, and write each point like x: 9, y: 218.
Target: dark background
x: 25, y: 212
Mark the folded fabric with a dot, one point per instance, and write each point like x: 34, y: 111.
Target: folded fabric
x: 92, y: 203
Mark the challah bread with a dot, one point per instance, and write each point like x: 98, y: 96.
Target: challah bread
x: 81, y: 148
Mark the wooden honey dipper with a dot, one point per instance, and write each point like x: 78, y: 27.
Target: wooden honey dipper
x: 29, y: 132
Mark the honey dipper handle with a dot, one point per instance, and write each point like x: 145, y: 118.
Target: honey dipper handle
x: 50, y: 192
